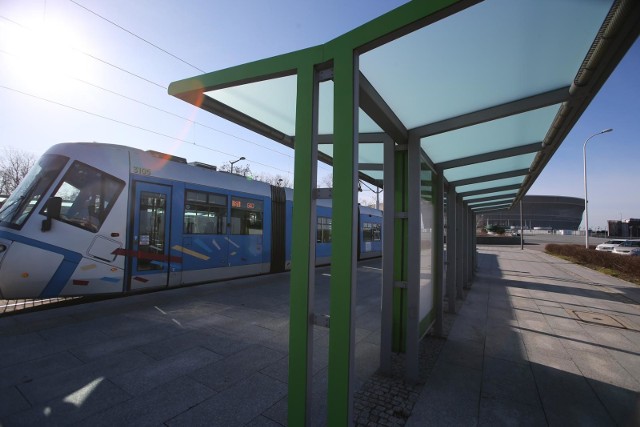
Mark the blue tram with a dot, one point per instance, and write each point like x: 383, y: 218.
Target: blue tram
x: 100, y: 218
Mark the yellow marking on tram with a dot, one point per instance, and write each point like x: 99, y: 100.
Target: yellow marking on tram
x: 190, y: 252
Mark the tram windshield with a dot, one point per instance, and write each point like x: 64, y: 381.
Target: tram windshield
x: 17, y: 208
x: 87, y: 196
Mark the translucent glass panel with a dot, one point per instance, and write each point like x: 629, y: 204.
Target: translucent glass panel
x: 492, y: 194
x: 273, y: 102
x: 325, y: 113
x: 512, y: 131
x: 496, y: 201
x: 490, y: 184
x: 489, y: 54
x: 379, y: 175
x: 499, y: 206
x: 370, y: 153
x: 367, y: 152
x: 427, y: 287
x: 488, y: 168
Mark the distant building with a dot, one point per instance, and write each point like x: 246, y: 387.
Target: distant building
x: 624, y: 227
x: 539, y: 212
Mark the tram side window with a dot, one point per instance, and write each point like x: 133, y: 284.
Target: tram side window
x: 246, y: 216
x: 376, y: 232
x: 88, y: 195
x: 367, y: 232
x: 205, y: 213
x: 324, y: 230
x: 371, y: 232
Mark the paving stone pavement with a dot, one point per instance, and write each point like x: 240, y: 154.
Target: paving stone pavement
x: 536, y: 341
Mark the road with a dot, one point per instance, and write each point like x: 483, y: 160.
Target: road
x: 538, y: 241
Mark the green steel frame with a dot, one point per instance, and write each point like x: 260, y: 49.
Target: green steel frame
x: 340, y: 58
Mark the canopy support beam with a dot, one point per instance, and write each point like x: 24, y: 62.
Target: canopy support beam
x: 344, y: 251
x: 304, y: 250
x: 492, y: 177
x: 546, y: 99
x: 494, y: 155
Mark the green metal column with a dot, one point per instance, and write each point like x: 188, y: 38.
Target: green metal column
x: 414, y: 260
x: 303, y: 254
x: 344, y: 256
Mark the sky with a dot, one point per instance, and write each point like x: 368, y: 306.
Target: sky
x: 68, y: 74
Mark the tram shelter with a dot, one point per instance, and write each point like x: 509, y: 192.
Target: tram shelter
x: 454, y: 108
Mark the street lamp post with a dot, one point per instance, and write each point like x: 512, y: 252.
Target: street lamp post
x: 586, y: 199
x: 234, y: 162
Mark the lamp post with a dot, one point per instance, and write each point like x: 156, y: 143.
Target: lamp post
x: 232, y: 163
x: 586, y: 199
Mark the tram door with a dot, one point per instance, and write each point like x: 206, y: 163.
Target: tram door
x: 150, y: 245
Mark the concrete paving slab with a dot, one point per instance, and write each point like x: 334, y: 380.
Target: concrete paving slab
x: 501, y: 412
x: 66, y: 382
x: 32, y: 369
x: 507, y: 344
x: 623, y: 405
x: 237, y: 367
x: 568, y: 399
x: 33, y: 347
x: 505, y: 380
x: 154, y: 407
x: 604, y: 368
x: 542, y: 364
x: 93, y: 397
x: 262, y: 421
x: 11, y: 401
x: 154, y: 374
x: 215, y: 341
x: 235, y: 406
x: 467, y: 353
x: 217, y: 354
x: 125, y: 342
x: 450, y: 397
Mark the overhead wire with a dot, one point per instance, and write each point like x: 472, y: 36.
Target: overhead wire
x: 95, y: 57
x: 136, y: 36
x: 164, y: 111
x: 146, y: 80
x: 179, y: 59
x: 132, y: 125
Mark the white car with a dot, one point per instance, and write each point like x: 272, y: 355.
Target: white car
x: 609, y: 245
x: 630, y: 247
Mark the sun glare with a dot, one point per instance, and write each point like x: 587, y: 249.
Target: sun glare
x: 45, y: 56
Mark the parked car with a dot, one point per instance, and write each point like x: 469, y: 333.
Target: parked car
x: 630, y: 247
x: 610, y: 244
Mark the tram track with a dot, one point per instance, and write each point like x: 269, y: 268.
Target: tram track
x: 8, y: 307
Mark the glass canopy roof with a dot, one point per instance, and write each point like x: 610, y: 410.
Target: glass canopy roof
x: 489, y: 89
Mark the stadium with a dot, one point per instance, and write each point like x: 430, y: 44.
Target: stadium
x: 539, y: 212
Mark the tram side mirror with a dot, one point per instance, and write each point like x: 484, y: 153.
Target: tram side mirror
x: 52, y: 211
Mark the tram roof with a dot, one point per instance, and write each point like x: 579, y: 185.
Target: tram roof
x: 490, y: 89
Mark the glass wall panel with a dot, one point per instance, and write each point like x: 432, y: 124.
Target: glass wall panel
x: 426, y: 246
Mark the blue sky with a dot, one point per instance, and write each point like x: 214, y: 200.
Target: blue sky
x: 44, y: 101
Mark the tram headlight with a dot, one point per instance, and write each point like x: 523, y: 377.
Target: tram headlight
x: 2, y: 248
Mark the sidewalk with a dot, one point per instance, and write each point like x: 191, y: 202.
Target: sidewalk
x: 538, y: 341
